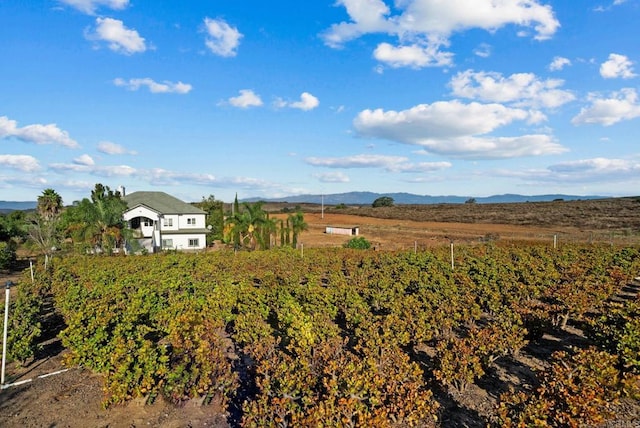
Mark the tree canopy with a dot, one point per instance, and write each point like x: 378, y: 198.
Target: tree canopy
x: 383, y: 201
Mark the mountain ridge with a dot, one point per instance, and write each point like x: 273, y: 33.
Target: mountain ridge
x: 366, y: 198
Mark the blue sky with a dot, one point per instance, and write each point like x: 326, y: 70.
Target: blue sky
x: 277, y: 98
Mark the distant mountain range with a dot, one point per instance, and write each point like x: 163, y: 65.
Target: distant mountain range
x: 366, y: 198
x: 8, y: 206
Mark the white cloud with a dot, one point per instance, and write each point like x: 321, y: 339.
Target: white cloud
x: 222, y: 39
x: 38, y: 134
x: 246, y: 99
x: 483, y: 50
x: 90, y: 6
x: 617, y: 66
x: 415, y: 56
x: 307, y: 102
x: 118, y: 37
x: 85, y: 160
x: 110, y: 148
x: 429, y: 24
x: 559, y: 63
x: 595, y: 170
x: 521, y: 89
x: 456, y: 129
x: 90, y: 168
x: 359, y: 161
x: 621, y: 105
x: 165, y: 87
x: 388, y: 163
x: 24, y: 163
x: 333, y: 177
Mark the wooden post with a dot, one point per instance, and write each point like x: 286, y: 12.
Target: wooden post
x: 452, y: 263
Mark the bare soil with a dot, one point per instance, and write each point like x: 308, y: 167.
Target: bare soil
x: 73, y: 398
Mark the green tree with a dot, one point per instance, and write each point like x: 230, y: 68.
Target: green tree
x: 13, y: 225
x: 298, y: 225
x: 215, y: 216
x: 49, y: 204
x: 250, y: 226
x: 98, y: 222
x: 383, y: 201
x: 43, y: 226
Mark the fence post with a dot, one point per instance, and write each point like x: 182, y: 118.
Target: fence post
x: 4, y: 333
x: 452, y: 263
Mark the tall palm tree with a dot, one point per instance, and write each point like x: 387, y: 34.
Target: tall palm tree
x: 298, y: 225
x: 98, y: 221
x: 49, y: 204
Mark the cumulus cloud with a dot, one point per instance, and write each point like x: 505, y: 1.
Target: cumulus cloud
x: 333, y: 177
x: 118, y: 37
x: 90, y: 6
x: 430, y: 23
x: 456, y: 129
x: 37, y: 133
x: 222, y: 39
x: 559, y: 63
x: 521, y: 89
x: 109, y: 148
x: 23, y: 163
x: 619, y: 106
x: 246, y: 99
x: 617, y: 66
x: 307, y: 102
x: 415, y: 56
x: 165, y: 87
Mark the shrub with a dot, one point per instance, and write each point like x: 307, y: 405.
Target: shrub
x: 383, y: 201
x: 7, y: 254
x: 359, y: 243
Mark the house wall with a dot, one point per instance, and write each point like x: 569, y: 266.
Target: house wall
x: 181, y: 241
x: 341, y: 230
x: 170, y: 222
x: 192, y: 221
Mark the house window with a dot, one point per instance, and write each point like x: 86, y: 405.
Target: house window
x: 194, y: 242
x: 167, y: 243
x: 191, y: 220
x: 168, y: 222
x: 148, y: 222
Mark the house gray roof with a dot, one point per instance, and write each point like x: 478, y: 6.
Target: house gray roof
x: 161, y: 202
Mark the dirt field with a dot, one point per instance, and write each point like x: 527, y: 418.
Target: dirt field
x: 73, y: 398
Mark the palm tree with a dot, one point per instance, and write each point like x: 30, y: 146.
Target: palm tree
x: 298, y: 225
x: 49, y: 204
x: 98, y: 221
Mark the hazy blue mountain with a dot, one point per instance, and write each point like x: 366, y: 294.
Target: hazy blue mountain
x: 8, y: 206
x: 366, y: 198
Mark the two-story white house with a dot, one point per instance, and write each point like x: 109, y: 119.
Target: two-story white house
x: 161, y: 222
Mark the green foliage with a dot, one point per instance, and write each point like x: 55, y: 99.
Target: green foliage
x: 7, y: 254
x: 617, y: 331
x: 96, y: 224
x: 24, y: 327
x: 215, y: 217
x: 577, y: 390
x: 358, y: 243
x: 340, y: 337
x: 383, y: 201
x: 13, y: 225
